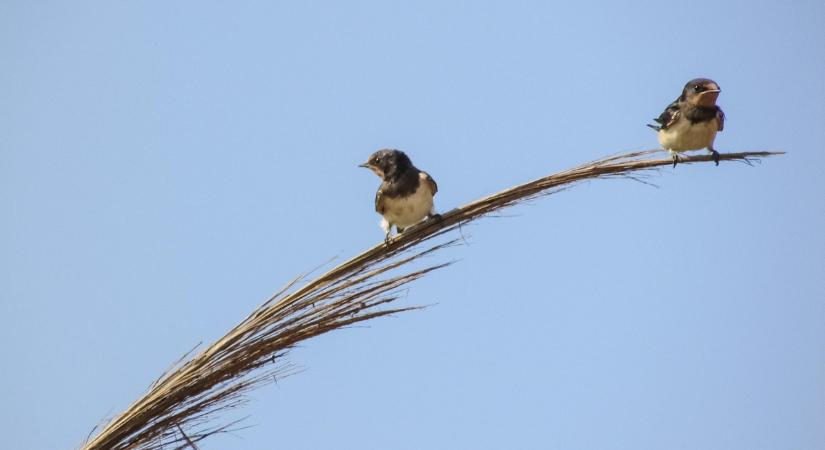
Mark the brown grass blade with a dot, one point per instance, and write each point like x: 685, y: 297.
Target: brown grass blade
x: 177, y: 410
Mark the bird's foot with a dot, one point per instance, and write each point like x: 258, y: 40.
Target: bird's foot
x: 675, y: 157
x: 715, y: 155
x: 435, y: 216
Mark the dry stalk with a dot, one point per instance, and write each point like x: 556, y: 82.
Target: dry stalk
x: 177, y: 410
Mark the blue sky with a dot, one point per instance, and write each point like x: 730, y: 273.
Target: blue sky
x: 165, y: 166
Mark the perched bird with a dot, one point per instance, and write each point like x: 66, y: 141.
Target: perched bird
x: 405, y: 196
x: 692, y: 120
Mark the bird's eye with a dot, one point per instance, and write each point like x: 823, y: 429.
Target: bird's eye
x: 698, y: 87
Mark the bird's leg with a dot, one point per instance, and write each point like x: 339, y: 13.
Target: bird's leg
x: 387, y: 227
x: 398, y: 231
x: 715, y: 155
x: 675, y: 157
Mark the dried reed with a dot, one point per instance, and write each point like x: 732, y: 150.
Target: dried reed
x: 180, y: 407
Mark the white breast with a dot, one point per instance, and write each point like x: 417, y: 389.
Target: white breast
x: 683, y: 135
x: 407, y: 211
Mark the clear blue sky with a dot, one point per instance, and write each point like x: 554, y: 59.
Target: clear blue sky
x: 165, y: 166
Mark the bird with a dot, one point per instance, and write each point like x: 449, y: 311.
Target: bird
x: 405, y: 196
x: 692, y: 120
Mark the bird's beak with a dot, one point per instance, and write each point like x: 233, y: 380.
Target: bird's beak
x: 708, y: 98
x: 365, y: 165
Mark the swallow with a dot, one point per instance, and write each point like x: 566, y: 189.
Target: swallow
x: 405, y: 196
x: 692, y: 120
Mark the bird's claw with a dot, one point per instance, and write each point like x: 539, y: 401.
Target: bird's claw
x: 435, y: 216
x: 675, y: 159
x: 715, y: 156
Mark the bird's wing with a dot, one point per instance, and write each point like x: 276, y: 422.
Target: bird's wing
x: 668, y: 117
x: 425, y: 177
x: 379, y: 201
x: 720, y: 117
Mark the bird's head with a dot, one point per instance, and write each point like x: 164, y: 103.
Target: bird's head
x: 701, y: 92
x: 388, y: 163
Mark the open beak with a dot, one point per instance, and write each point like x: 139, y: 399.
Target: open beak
x: 708, y: 98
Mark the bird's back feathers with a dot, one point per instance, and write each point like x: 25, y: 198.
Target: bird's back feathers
x: 668, y: 116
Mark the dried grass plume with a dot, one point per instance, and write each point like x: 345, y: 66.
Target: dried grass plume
x: 182, y: 407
